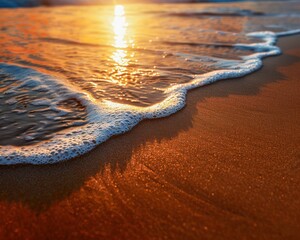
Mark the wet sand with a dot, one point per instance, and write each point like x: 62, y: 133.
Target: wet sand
x: 225, y: 167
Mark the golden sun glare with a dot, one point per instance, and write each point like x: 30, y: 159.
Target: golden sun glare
x: 119, y: 56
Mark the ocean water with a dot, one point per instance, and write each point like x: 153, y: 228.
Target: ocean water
x: 71, y: 77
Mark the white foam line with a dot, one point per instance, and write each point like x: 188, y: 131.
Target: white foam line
x: 108, y: 118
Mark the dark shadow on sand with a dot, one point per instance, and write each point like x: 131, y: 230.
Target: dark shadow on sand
x: 40, y: 186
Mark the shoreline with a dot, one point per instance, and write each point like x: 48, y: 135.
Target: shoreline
x: 224, y: 167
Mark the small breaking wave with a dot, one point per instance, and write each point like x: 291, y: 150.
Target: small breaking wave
x: 104, y: 118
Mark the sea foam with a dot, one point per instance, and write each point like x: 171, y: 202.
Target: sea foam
x: 106, y: 118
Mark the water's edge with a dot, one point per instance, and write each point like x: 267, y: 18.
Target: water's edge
x: 107, y: 118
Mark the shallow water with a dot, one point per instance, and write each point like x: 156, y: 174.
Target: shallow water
x: 71, y: 77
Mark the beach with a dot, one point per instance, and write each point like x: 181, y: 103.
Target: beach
x: 224, y: 167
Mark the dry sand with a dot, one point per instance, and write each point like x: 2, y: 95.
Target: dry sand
x: 225, y: 167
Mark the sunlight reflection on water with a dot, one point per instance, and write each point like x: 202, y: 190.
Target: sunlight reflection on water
x: 135, y: 55
x: 119, y: 56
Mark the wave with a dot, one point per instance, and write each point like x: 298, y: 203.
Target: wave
x: 34, y: 3
x: 106, y: 118
x: 231, y: 13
